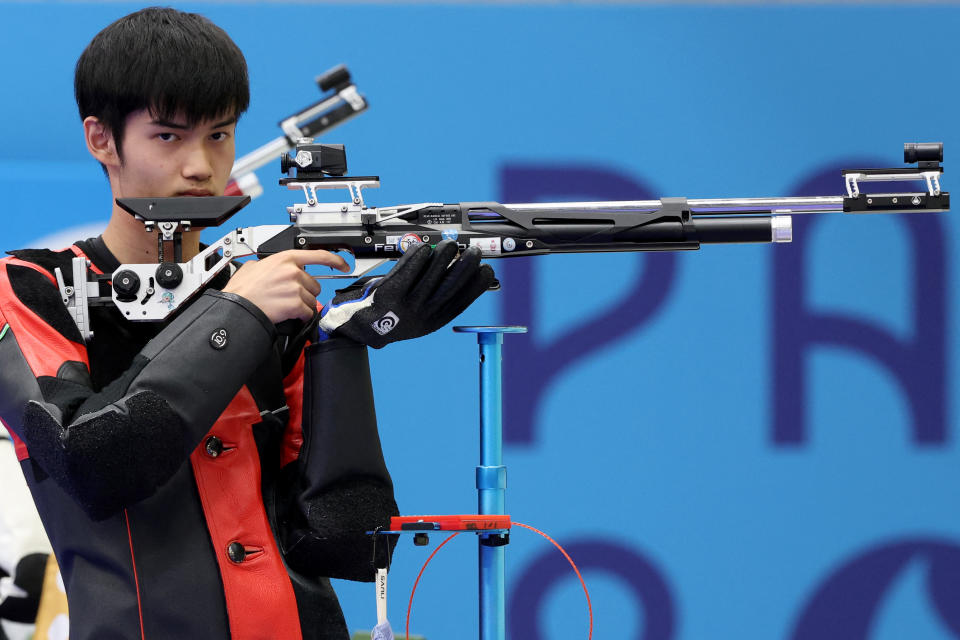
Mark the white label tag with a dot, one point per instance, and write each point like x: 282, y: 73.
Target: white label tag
x: 381, y: 596
x: 489, y: 246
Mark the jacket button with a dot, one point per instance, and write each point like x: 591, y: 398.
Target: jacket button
x: 218, y: 339
x: 213, y: 446
x: 236, y: 552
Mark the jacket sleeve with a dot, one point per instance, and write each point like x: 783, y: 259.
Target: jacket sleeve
x: 341, y: 487
x: 115, y: 447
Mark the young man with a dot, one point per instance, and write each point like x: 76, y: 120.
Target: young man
x: 195, y: 487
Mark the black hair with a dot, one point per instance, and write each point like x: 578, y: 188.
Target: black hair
x: 172, y: 63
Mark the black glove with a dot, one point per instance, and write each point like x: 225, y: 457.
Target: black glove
x: 426, y: 289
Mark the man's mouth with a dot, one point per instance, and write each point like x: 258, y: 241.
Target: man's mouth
x: 196, y: 193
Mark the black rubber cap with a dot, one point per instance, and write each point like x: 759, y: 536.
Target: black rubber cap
x: 126, y: 283
x: 169, y: 275
x: 336, y: 78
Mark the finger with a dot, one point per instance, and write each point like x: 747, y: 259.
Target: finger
x: 308, y: 282
x: 303, y: 257
x: 443, y: 254
x: 302, y: 309
x: 457, y: 277
x: 307, y: 310
x: 406, y: 272
x: 308, y: 297
x: 359, y: 284
x: 295, y: 309
x: 472, y: 290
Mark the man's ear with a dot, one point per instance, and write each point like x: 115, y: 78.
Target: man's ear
x: 100, y: 142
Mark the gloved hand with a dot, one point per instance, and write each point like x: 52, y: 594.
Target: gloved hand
x: 426, y: 289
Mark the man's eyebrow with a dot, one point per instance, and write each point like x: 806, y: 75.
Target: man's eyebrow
x: 175, y: 125
x: 166, y: 123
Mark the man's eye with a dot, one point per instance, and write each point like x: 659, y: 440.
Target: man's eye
x: 167, y: 136
x: 220, y: 135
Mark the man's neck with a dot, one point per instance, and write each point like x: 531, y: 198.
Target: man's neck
x: 130, y: 244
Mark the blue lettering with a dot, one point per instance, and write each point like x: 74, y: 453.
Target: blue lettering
x: 918, y: 364
x: 524, y: 385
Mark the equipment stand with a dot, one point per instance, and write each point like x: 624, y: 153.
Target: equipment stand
x: 491, y: 479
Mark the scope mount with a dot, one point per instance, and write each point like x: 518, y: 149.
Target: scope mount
x: 353, y: 184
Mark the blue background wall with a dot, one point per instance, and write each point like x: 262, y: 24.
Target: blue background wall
x: 761, y: 441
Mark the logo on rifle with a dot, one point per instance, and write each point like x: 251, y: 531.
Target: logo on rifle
x: 385, y: 325
x: 409, y: 241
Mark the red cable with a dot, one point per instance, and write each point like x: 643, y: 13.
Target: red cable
x: 572, y: 564
x: 519, y: 524
x: 422, y: 569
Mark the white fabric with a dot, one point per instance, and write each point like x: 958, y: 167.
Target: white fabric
x: 8, y: 589
x: 17, y: 631
x: 382, y: 632
x: 21, y: 532
x: 59, y: 628
x: 337, y: 316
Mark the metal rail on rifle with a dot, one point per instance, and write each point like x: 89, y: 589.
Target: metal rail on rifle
x: 374, y: 235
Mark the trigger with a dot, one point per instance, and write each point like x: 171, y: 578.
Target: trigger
x: 363, y: 266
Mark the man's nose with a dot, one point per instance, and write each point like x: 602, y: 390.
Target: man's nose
x: 197, y: 165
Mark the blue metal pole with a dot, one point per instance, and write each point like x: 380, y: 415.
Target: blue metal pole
x: 491, y: 487
x: 491, y: 479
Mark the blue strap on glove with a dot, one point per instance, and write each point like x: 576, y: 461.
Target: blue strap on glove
x: 428, y: 287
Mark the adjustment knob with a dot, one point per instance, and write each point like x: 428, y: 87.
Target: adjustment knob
x: 126, y: 284
x: 169, y: 275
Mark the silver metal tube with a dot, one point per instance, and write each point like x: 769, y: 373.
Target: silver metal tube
x: 810, y: 204
x: 814, y: 204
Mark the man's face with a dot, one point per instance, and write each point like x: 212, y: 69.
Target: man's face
x: 168, y: 158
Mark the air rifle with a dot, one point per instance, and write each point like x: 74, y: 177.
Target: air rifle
x: 374, y: 235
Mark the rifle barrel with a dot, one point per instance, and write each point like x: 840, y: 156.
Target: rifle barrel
x: 712, y: 206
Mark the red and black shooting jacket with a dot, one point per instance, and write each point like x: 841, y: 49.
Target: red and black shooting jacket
x: 200, y: 477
